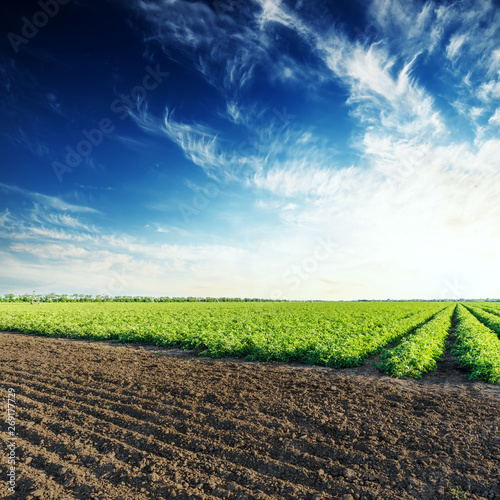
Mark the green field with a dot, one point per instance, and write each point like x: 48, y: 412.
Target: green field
x: 410, y: 336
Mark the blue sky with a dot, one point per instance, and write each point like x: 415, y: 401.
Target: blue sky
x: 299, y: 150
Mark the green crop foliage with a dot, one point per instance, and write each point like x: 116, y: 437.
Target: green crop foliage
x: 352, y: 350
x: 492, y: 321
x: 326, y: 333
x: 477, y: 347
x: 420, y: 351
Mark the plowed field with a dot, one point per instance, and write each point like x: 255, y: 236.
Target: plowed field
x: 107, y: 421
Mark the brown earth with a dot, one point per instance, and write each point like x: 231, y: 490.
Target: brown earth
x: 108, y: 421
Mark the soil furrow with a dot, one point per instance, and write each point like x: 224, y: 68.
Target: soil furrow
x: 171, y: 444
x: 174, y: 411
x: 34, y: 482
x: 312, y: 455
x: 215, y: 421
x: 50, y: 457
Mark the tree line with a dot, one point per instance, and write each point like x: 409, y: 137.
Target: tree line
x: 78, y: 297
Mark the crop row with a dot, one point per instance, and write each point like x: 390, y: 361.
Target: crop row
x: 493, y: 307
x: 490, y: 319
x: 352, y: 350
x: 477, y: 347
x: 419, y: 353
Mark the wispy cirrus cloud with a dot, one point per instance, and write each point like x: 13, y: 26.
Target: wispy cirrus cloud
x: 453, y: 48
x: 495, y: 118
x: 49, y: 201
x: 394, y: 109
x: 467, y: 32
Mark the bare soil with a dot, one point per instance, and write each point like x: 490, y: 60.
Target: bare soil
x: 108, y: 421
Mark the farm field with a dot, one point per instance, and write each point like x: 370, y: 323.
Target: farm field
x: 97, y: 420
x: 109, y: 407
x: 410, y: 336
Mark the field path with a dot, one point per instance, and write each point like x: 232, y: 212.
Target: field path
x: 107, y: 421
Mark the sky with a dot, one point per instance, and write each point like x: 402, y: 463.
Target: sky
x: 261, y: 148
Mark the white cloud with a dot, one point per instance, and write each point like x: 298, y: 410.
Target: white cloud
x: 51, y: 251
x: 377, y: 92
x: 48, y: 201
x: 495, y: 61
x: 199, y: 144
x: 159, y: 228
x: 5, y: 217
x: 301, y: 178
x: 456, y: 42
x: 489, y: 91
x: 495, y: 118
x: 476, y: 111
